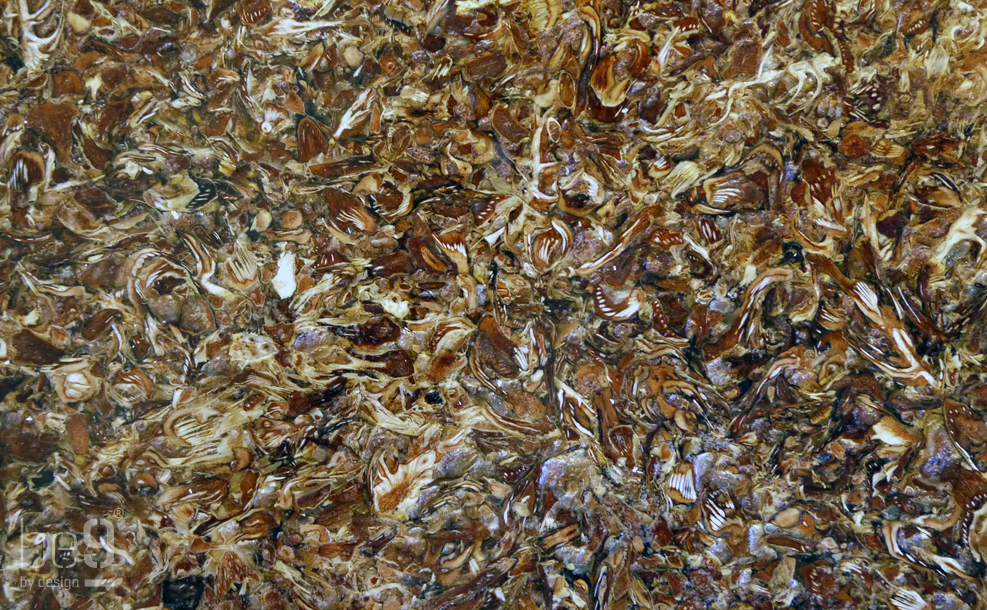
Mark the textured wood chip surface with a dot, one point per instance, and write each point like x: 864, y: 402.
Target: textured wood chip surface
x: 476, y: 304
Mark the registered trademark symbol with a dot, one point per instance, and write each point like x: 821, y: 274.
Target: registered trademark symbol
x: 118, y: 513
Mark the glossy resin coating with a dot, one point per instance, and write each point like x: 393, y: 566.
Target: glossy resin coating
x: 478, y: 304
